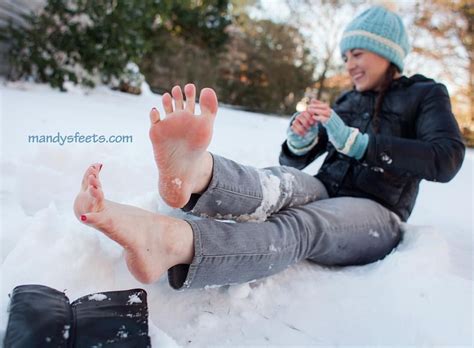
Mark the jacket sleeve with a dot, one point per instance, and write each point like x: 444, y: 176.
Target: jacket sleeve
x: 437, y: 152
x: 288, y: 158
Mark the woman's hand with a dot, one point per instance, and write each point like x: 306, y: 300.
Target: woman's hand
x: 302, y: 123
x: 320, y: 111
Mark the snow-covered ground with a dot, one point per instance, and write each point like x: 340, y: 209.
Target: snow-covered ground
x: 421, y: 294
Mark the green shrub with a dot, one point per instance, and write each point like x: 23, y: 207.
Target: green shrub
x: 82, y: 41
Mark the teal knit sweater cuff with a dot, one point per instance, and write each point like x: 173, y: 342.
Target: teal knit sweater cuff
x: 346, y: 140
x: 301, y: 145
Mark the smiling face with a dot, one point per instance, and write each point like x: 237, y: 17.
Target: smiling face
x: 367, y: 69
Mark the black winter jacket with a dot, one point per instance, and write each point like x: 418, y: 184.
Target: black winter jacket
x: 418, y: 138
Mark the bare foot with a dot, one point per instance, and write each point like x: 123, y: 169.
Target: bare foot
x: 152, y: 243
x: 179, y: 144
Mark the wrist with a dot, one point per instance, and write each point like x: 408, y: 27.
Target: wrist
x: 300, y: 151
x: 337, y: 130
x: 334, y: 123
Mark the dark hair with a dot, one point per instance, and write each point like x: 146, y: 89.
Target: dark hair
x: 387, y: 81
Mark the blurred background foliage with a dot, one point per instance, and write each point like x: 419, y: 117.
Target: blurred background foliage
x: 259, y: 55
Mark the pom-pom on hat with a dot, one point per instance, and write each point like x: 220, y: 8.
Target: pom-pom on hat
x: 380, y: 31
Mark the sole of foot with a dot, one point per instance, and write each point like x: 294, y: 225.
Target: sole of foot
x: 180, y: 141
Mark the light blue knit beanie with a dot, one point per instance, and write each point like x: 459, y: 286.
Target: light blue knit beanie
x: 380, y: 31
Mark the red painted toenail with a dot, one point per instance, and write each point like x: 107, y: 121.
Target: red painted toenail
x: 83, y: 218
x: 100, y: 167
x: 154, y: 109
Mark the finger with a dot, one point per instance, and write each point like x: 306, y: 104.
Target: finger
x: 190, y: 92
x: 296, y: 131
x: 154, y: 116
x: 322, y: 119
x: 320, y: 111
x: 312, y: 110
x: 299, y: 122
x: 311, y: 122
x: 319, y: 106
x: 167, y: 102
x: 178, y: 98
x: 314, y: 102
x: 299, y: 129
x: 308, y: 117
x: 295, y: 128
x: 304, y: 121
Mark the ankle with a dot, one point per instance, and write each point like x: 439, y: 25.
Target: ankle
x: 205, y: 173
x: 178, y: 240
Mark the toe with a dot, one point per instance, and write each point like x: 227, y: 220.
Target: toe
x: 85, y: 180
x: 90, y: 218
x: 208, y: 102
x: 94, y: 181
x: 154, y: 116
x: 97, y: 166
x: 167, y: 103
x: 96, y: 192
x: 178, y: 97
x: 190, y: 92
x: 91, y: 170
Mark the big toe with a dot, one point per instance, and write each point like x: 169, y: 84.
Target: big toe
x: 208, y: 101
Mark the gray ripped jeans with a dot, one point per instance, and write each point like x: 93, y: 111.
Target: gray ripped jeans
x: 280, y: 216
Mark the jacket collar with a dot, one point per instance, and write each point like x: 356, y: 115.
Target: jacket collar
x: 401, y: 82
x: 408, y: 81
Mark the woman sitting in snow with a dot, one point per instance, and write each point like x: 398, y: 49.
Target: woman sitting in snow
x: 382, y: 138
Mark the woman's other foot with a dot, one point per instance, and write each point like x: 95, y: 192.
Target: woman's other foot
x: 153, y: 243
x: 180, y: 141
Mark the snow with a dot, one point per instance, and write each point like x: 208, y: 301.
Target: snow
x: 270, y: 193
x: 66, y: 331
x: 97, y: 297
x: 421, y: 294
x: 122, y: 333
x: 177, y: 182
x: 134, y: 298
